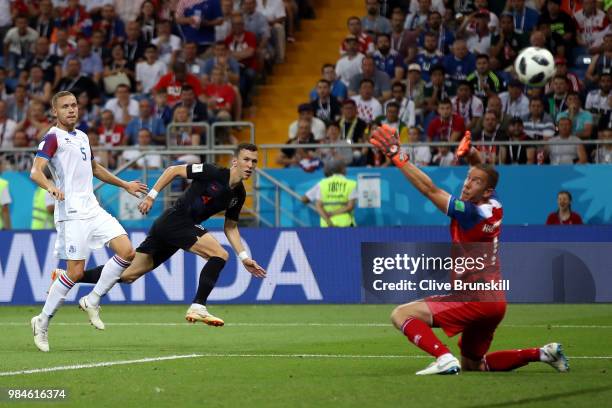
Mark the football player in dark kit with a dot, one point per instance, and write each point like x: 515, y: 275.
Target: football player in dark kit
x: 213, y: 190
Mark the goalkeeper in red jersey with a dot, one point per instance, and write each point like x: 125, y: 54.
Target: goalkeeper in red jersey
x: 476, y: 217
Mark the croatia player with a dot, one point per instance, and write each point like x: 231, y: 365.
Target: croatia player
x: 81, y: 223
x: 475, y: 218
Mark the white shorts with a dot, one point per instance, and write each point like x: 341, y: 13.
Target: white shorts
x: 76, y: 238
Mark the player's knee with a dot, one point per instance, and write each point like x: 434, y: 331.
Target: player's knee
x: 398, y: 316
x: 223, y: 254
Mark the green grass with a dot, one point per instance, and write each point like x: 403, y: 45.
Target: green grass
x: 265, y: 380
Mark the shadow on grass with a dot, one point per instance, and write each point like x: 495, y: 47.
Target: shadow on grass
x: 545, y: 398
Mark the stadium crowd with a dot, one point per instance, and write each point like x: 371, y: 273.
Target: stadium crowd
x: 435, y: 68
x: 137, y: 67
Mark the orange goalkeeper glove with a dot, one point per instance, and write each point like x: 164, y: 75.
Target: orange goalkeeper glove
x: 385, y: 139
x: 465, y: 145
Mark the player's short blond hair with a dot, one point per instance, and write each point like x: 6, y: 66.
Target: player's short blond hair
x: 60, y: 94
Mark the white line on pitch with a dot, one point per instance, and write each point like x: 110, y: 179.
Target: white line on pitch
x: 305, y: 324
x: 231, y: 355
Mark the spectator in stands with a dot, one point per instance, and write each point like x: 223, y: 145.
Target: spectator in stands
x: 257, y: 23
x: 517, y: 154
x: 180, y: 134
x: 352, y: 128
x: 123, y: 106
x: 564, y: 153
x: 557, y: 102
x: 419, y: 155
x: 368, y: 107
x: 447, y: 126
x: 173, y: 82
x: 74, y: 82
x: 99, y: 48
x: 564, y: 214
x: 189, y: 55
x: 118, y: 71
x: 290, y: 157
x: 491, y: 132
x: 379, y: 79
x: 365, y: 43
x: 574, y: 83
x: 7, y: 127
x: 538, y: 124
x: 468, y: 106
x: 38, y: 89
x: 161, y: 109
x: 506, y: 45
x: 438, y: 87
x: 373, y: 23
x: 582, y: 120
x: 388, y: 60
x: 444, y: 157
x: 110, y: 133
x: 514, y: 102
x: 5, y: 18
x: 338, y: 89
x: 598, y: 101
x: 349, y: 65
x: 242, y: 45
x: 19, y: 45
x: 150, y: 161
x: 63, y: 44
x: 198, y: 20
x: 145, y: 120
x: 484, y: 82
x: 147, y: 20
x: 326, y: 106
x: 403, y: 41
x: 91, y: 64
x: 111, y: 25
x: 602, y: 61
x: 429, y: 56
x: 35, y: 124
x: 50, y: 64
x: 5, y: 201
x: 89, y: 112
x: 479, y: 38
x: 317, y: 126
x: 19, y: 161
x: 168, y: 44
x: 220, y: 95
x: 134, y: 45
x: 391, y: 117
x: 77, y: 19
x: 495, y: 105
x: 18, y: 104
x: 560, y: 22
x: 591, y: 23
x: 525, y: 18
x: 603, y: 153
x: 407, y: 111
x: 149, y: 71
x: 417, y: 19
x: 225, y: 28
x: 274, y: 11
x: 333, y: 136
x: 444, y: 36
x: 44, y: 22
x: 221, y: 58
x: 460, y: 63
x: 196, y: 109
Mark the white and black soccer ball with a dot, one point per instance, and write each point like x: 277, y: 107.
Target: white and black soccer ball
x: 534, y: 66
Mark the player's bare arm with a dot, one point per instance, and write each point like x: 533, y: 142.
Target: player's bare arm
x: 385, y: 138
x: 100, y: 172
x: 37, y: 175
x: 167, y: 176
x: 233, y: 236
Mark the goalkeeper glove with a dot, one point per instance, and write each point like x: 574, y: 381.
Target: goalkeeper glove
x: 465, y: 145
x: 385, y: 139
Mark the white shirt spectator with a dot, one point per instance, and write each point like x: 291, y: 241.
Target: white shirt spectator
x: 563, y: 153
x: 419, y: 155
x: 444, y: 160
x: 150, y: 161
x: 166, y: 48
x: 7, y: 131
x: 468, y: 110
x: 477, y: 44
x: 317, y: 127
x: 591, y: 28
x: 59, y: 3
x: 113, y: 106
x: 93, y: 4
x: 223, y: 30
x: 149, y: 75
x: 5, y: 13
x: 414, y: 21
x: 19, y: 43
x: 518, y: 108
x: 538, y: 129
x: 597, y: 103
x: 128, y: 10
x: 272, y: 10
x: 367, y: 110
x: 437, y: 5
x: 347, y: 67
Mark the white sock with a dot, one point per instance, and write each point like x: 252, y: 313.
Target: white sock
x: 57, y: 294
x: 111, y: 272
x: 196, y: 306
x: 543, y: 356
x: 445, y: 357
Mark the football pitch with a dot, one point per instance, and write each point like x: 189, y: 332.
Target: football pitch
x: 293, y: 356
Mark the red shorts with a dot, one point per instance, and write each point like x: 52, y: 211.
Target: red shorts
x: 476, y: 321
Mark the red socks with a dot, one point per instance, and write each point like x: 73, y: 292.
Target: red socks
x: 510, y: 359
x: 419, y: 333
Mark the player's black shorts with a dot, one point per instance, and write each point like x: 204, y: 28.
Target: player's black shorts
x: 169, y: 233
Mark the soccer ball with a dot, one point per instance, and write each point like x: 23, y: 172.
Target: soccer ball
x: 534, y: 66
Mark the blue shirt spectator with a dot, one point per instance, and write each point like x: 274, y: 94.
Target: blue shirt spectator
x: 145, y: 121
x: 198, y: 13
x: 460, y: 63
